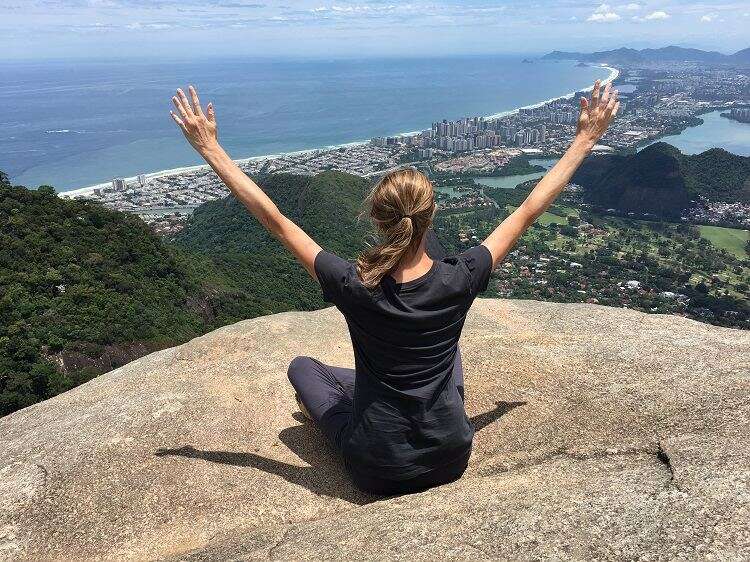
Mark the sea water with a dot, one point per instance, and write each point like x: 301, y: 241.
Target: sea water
x: 73, y: 124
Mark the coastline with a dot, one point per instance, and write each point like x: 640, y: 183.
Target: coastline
x: 614, y: 73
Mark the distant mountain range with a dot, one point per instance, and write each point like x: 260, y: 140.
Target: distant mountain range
x: 662, y: 181
x: 665, y: 54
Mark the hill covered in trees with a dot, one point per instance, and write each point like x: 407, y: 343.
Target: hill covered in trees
x: 326, y: 206
x: 84, y: 289
x: 661, y: 181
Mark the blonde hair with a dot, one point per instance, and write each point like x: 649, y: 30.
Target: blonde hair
x: 401, y: 206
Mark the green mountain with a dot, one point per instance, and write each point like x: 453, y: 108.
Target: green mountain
x: 664, y: 54
x: 661, y: 181
x: 325, y: 206
x: 84, y: 289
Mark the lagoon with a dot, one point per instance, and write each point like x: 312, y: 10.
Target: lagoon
x: 509, y: 182
x: 715, y: 132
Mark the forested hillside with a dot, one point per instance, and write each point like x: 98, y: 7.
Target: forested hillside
x: 84, y: 289
x: 325, y: 206
x: 661, y: 181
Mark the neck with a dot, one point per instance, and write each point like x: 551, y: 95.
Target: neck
x: 413, y: 265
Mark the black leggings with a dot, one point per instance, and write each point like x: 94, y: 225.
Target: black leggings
x: 328, y: 395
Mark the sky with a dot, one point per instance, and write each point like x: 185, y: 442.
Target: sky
x: 175, y: 29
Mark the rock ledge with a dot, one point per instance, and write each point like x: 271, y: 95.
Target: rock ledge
x: 602, y: 434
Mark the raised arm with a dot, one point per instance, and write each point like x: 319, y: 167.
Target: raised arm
x: 593, y: 121
x: 201, y: 132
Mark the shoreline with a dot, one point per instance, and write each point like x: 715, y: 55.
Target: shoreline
x: 614, y: 73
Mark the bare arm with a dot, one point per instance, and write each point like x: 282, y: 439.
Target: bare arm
x: 201, y: 132
x: 592, y: 123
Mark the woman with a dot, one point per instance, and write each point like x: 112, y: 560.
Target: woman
x: 399, y: 422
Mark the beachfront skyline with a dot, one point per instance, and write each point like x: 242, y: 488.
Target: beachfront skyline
x: 191, y: 28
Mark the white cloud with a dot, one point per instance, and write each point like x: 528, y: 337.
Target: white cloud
x: 658, y: 15
x: 632, y: 7
x: 605, y: 17
x: 603, y: 9
x: 708, y: 18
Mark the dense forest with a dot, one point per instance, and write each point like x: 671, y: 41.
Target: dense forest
x: 84, y: 289
x: 326, y: 206
x: 661, y: 181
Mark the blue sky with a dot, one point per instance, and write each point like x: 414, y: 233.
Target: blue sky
x: 326, y: 28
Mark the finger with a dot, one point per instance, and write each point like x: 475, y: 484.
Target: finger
x: 612, y: 101
x: 605, y: 96
x: 196, y: 102
x: 185, y: 102
x: 615, y: 109
x: 211, y: 113
x: 177, y: 120
x: 178, y: 104
x: 595, y: 94
x: 584, y: 104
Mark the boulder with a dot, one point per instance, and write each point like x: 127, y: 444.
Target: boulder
x: 602, y: 433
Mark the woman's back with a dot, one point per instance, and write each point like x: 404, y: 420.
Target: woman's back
x: 408, y: 414
x: 404, y: 416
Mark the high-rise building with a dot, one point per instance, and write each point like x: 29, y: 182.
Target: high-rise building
x: 118, y: 183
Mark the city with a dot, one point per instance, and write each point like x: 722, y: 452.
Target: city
x: 657, y: 100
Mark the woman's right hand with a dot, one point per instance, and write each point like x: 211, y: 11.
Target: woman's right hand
x: 596, y: 114
x: 199, y: 129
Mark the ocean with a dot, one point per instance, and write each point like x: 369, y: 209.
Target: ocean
x: 71, y: 125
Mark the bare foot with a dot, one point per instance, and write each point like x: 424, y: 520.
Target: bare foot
x: 302, y: 407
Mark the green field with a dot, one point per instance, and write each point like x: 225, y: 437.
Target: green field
x: 548, y: 218
x: 730, y: 239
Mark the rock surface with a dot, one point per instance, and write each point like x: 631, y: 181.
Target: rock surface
x: 602, y: 434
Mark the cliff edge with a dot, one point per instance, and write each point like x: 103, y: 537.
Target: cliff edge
x: 602, y: 433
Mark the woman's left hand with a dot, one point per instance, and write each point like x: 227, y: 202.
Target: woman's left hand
x: 199, y: 129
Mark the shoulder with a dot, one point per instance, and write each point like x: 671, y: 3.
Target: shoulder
x: 334, y: 274
x: 474, y: 265
x: 327, y: 262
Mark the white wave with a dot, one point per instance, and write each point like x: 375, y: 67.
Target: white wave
x: 63, y: 131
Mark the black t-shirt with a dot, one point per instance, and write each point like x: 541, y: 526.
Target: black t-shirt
x: 408, y: 416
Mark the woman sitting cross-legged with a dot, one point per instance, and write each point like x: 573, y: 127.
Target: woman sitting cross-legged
x: 398, y: 417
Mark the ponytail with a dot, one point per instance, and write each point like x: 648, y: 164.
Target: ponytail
x: 401, y: 208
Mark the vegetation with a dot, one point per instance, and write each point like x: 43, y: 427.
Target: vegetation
x: 325, y: 206
x: 84, y: 289
x: 76, y: 278
x: 661, y: 181
x: 732, y: 240
x: 579, y: 256
x: 517, y: 166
